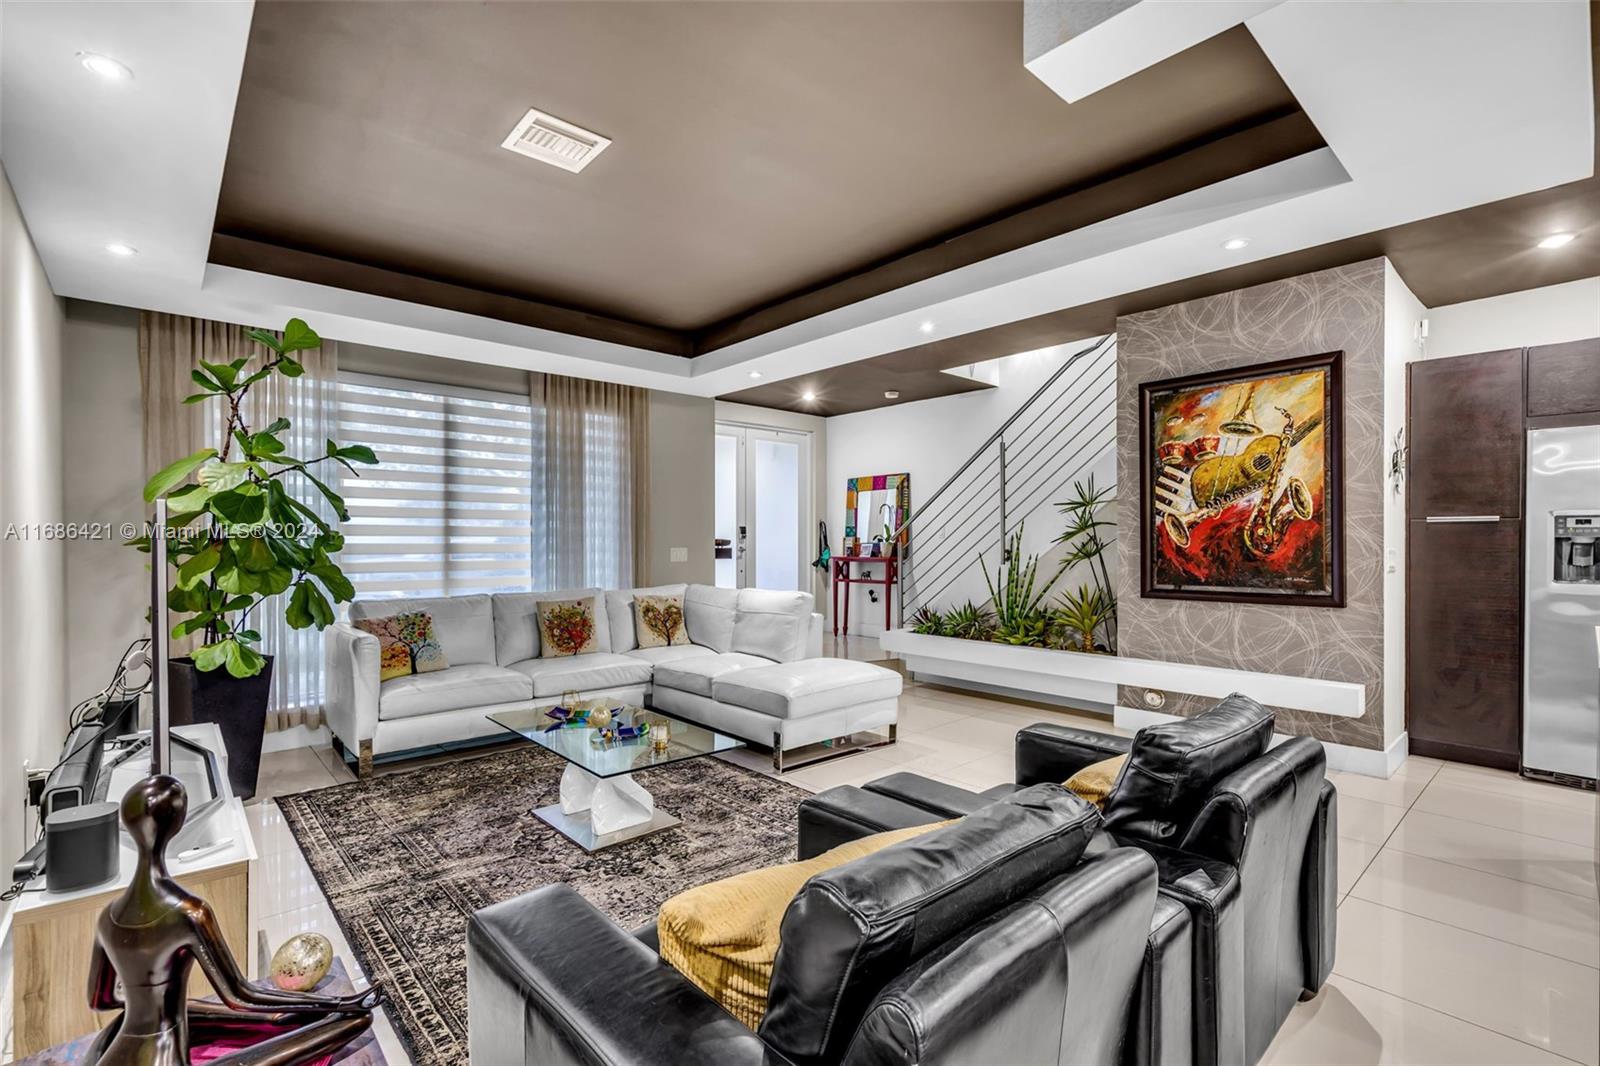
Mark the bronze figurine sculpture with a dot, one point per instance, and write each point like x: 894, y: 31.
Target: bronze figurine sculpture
x: 150, y: 938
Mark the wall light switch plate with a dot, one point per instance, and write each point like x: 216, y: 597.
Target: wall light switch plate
x: 680, y: 555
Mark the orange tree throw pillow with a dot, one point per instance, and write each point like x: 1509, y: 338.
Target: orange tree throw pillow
x: 660, y: 621
x: 566, y: 627
x: 406, y: 644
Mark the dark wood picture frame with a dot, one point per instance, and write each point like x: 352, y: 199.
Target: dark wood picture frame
x: 1333, y: 480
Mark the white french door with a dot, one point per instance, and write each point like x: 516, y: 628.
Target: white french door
x: 763, y: 480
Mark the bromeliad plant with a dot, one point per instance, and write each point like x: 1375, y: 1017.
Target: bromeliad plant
x: 970, y: 621
x: 1077, y: 617
x: 236, y: 532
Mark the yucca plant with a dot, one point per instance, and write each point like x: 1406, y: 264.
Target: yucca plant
x: 1019, y: 601
x: 1078, y: 615
x: 1085, y: 544
x: 970, y: 621
x: 928, y: 621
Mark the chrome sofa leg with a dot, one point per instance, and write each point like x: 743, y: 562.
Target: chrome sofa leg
x: 364, y: 760
x: 777, y: 753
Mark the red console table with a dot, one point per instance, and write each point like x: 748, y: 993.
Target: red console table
x: 842, y: 575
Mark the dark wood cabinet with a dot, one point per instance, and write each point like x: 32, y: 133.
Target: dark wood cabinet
x: 1464, y: 641
x: 1564, y: 379
x: 1464, y: 558
x: 1466, y: 435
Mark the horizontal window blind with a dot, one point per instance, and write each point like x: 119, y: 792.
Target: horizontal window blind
x: 449, y: 509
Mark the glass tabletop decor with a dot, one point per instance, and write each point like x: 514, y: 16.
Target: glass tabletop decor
x: 601, y: 804
x: 625, y: 744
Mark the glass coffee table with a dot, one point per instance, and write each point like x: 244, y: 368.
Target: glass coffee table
x: 601, y: 804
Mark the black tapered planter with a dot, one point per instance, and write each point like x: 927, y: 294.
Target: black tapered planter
x: 238, y: 705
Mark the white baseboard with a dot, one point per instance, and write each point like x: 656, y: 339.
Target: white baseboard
x: 297, y: 737
x: 1369, y: 762
x: 1009, y: 681
x: 1071, y: 702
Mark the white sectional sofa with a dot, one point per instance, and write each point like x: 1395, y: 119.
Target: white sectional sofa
x: 753, y: 670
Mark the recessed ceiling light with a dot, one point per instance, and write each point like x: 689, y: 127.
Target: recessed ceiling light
x: 124, y: 250
x: 104, y: 66
x: 755, y: 375
x: 1233, y: 244
x: 1557, y: 240
x: 891, y: 394
x: 926, y: 327
x: 809, y: 396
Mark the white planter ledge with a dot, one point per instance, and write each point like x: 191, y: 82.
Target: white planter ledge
x: 1073, y: 676
x: 1077, y: 674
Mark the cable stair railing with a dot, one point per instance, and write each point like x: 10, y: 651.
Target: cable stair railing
x: 1048, y: 442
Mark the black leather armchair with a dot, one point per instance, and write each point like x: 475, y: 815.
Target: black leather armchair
x: 1002, y: 938
x: 1159, y: 1022
x: 1266, y: 820
x: 1244, y: 839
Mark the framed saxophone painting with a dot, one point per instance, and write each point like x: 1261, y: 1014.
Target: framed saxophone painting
x: 1241, y: 484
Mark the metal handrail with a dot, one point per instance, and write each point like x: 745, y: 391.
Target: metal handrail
x: 948, y: 564
x: 1035, y: 461
x: 1099, y: 346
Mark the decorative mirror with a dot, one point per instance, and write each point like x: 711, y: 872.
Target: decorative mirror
x: 874, y: 507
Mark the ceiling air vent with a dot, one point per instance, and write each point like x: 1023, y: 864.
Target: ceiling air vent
x: 549, y: 140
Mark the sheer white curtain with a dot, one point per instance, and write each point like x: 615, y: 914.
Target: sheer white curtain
x: 591, y: 480
x: 170, y: 347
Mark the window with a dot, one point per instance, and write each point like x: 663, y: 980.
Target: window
x: 449, y: 509
x: 488, y: 492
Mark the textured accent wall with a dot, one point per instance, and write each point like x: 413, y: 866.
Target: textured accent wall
x: 1338, y: 309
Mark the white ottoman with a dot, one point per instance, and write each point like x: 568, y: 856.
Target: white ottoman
x: 813, y: 700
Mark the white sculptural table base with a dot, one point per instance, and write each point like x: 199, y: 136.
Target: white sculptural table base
x: 598, y: 812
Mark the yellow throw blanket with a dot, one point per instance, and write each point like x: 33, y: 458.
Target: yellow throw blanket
x: 724, y: 936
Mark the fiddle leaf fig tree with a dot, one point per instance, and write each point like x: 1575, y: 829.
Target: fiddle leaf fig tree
x: 237, y: 534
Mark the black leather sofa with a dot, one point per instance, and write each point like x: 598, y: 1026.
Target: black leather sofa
x: 1015, y: 935
x: 1244, y: 840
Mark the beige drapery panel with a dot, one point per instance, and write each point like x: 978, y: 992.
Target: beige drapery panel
x: 170, y: 347
x: 592, y: 469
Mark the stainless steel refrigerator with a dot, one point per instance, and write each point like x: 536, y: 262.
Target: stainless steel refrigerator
x: 1561, y: 679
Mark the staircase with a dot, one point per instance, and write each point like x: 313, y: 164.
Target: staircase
x: 1060, y: 434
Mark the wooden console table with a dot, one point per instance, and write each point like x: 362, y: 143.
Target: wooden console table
x: 843, y: 575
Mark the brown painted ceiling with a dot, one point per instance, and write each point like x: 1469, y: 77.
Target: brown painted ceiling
x: 769, y: 159
x: 1465, y: 255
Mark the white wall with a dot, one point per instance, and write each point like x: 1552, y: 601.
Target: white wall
x: 33, y: 709
x: 681, y: 485
x: 1550, y: 315
x: 1402, y: 317
x: 930, y: 439
x: 107, y: 584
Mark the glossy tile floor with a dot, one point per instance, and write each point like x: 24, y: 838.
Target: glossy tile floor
x: 1468, y: 925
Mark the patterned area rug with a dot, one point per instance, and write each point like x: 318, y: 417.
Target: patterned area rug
x: 405, y: 860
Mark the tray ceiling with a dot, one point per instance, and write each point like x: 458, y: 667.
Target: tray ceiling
x: 759, y: 151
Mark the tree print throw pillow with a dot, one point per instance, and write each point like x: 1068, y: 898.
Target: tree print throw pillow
x: 660, y: 621
x: 406, y: 644
x: 566, y: 627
